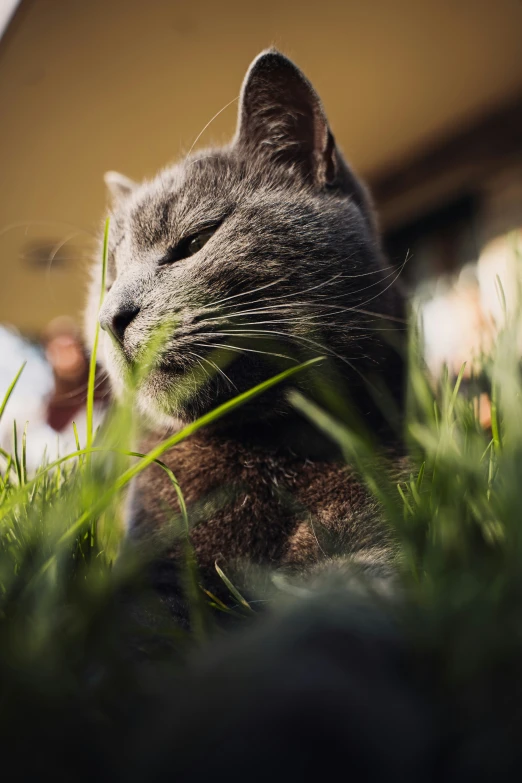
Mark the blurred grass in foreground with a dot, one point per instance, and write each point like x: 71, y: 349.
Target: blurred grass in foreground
x: 69, y: 648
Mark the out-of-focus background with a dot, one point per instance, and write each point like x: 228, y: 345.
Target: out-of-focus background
x: 424, y: 98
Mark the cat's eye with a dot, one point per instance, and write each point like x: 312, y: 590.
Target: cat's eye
x: 189, y: 246
x: 197, y: 242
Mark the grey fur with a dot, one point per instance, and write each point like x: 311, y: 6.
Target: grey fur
x: 296, y: 251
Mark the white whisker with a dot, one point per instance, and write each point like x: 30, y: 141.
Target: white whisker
x: 216, y: 115
x: 263, y: 333
x: 217, y: 368
x: 243, y: 350
x: 246, y: 293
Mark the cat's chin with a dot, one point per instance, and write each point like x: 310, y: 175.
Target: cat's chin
x: 175, y: 393
x: 171, y: 398
x: 154, y: 418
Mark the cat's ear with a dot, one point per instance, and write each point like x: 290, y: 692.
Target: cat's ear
x: 118, y: 185
x: 281, y: 118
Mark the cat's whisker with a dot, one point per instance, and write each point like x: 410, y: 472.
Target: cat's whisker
x: 297, y: 310
x: 401, y: 268
x: 246, y: 293
x: 291, y: 294
x: 325, y: 283
x: 199, y: 358
x: 330, y: 281
x: 199, y: 159
x: 354, y: 308
x: 382, y: 279
x: 279, y: 307
x: 382, y: 316
x: 243, y: 350
x: 264, y: 333
x: 216, y: 367
x: 216, y: 115
x: 213, y: 305
x: 343, y: 276
x: 204, y: 369
x: 190, y: 371
x: 54, y: 252
x: 313, y: 320
x: 282, y: 309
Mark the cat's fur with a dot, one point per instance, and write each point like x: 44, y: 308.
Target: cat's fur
x: 294, y: 269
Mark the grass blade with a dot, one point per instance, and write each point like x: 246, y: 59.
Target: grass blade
x: 190, y: 429
x: 233, y: 589
x: 92, y: 363
x: 11, y: 389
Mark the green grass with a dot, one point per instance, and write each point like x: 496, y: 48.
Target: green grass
x: 454, y: 507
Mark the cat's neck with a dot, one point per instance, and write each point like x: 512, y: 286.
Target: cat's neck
x: 288, y: 432
x: 289, y: 435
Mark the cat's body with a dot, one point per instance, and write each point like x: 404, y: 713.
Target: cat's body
x: 256, y: 256
x: 260, y: 505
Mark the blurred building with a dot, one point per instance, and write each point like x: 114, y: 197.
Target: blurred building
x: 424, y: 98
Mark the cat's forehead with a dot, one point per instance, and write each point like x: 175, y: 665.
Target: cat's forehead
x: 182, y: 197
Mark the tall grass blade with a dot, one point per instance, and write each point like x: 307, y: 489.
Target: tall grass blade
x: 10, y: 390
x: 92, y: 364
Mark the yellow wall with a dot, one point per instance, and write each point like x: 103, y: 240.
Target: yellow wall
x: 90, y: 85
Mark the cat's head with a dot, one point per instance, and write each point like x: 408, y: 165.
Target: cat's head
x: 246, y: 258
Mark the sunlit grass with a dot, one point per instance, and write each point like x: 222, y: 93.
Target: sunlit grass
x: 452, y: 504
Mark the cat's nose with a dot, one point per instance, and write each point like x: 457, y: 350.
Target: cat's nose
x: 117, y: 321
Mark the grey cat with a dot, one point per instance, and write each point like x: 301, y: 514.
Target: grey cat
x: 256, y: 255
